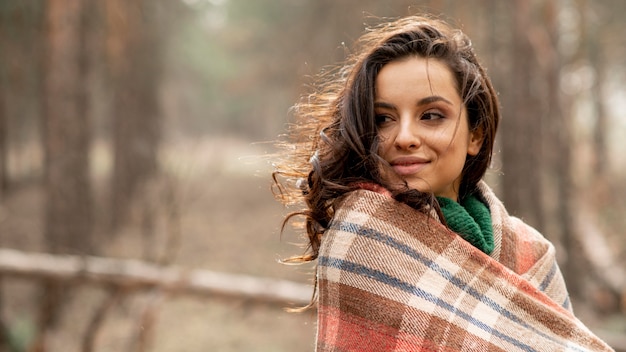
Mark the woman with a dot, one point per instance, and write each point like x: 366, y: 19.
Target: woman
x: 414, y: 251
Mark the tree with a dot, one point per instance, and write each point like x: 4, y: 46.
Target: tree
x: 68, y: 217
x: 134, y: 53
x: 20, y: 75
x: 4, y: 151
x: 66, y: 130
x: 521, y: 126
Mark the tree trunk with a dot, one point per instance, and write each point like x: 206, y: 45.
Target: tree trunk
x: 4, y: 58
x: 66, y: 140
x: 521, y: 127
x: 600, y: 152
x: 4, y: 151
x: 66, y: 131
x: 134, y: 54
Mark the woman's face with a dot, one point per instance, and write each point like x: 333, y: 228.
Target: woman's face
x: 422, y: 125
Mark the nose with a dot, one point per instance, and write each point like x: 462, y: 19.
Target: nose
x: 407, y: 136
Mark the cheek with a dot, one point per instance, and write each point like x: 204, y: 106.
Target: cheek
x: 440, y: 142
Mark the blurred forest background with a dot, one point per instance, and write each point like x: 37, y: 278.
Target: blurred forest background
x: 142, y: 128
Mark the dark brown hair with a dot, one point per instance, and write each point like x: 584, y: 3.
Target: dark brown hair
x: 333, y: 143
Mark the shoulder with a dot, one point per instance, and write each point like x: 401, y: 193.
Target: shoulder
x: 373, y: 206
x: 377, y: 210
x: 525, y: 251
x: 370, y: 226
x: 518, y: 245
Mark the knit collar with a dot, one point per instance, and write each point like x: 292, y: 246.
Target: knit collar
x: 471, y: 219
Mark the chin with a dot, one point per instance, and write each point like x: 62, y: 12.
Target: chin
x: 419, y: 185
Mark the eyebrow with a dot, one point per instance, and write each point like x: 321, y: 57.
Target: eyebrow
x: 424, y: 101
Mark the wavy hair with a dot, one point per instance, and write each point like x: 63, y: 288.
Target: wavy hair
x: 333, y: 143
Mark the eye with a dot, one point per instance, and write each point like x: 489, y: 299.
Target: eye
x: 382, y: 119
x: 432, y: 115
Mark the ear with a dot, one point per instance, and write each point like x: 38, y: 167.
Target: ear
x: 476, y: 138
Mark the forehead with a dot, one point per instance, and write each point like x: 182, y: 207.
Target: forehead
x: 415, y: 75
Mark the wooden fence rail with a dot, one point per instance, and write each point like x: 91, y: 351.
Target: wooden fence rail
x: 138, y: 274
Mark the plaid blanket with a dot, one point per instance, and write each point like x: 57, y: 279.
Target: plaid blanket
x: 394, y: 279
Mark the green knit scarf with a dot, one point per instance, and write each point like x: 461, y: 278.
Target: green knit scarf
x: 471, y: 219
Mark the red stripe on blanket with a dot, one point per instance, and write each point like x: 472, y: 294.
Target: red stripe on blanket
x: 338, y: 325
x: 410, y: 342
x: 526, y: 252
x: 347, y: 332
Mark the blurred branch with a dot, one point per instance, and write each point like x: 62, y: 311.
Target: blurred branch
x: 93, y: 327
x: 134, y: 274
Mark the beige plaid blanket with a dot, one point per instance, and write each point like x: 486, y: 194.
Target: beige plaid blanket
x: 394, y: 279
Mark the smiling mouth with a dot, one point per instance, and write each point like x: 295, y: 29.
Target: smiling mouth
x: 406, y: 168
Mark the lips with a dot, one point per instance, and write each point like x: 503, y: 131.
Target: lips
x: 409, y: 165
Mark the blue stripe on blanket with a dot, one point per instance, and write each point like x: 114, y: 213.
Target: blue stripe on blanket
x: 548, y: 279
x: 393, y: 243
x: 567, y: 304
